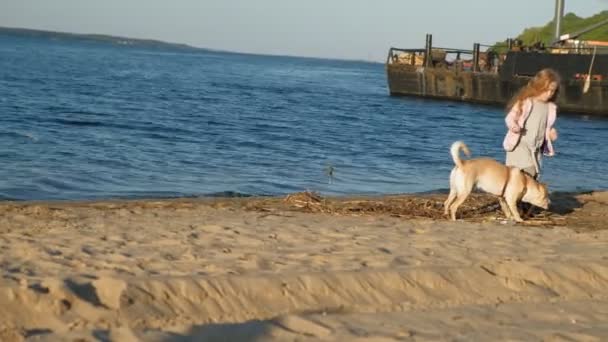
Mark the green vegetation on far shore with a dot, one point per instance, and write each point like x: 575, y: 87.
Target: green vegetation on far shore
x: 571, y: 23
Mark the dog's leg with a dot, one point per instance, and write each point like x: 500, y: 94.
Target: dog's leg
x: 452, y: 196
x: 505, y: 207
x: 463, y: 187
x: 460, y: 198
x: 449, y: 201
x: 528, y: 212
x: 512, y: 203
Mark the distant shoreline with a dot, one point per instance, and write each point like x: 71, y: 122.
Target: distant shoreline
x: 147, y: 43
x: 118, y: 40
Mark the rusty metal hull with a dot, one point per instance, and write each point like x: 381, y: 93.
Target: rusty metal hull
x: 489, y: 88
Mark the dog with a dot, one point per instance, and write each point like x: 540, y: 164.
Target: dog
x: 510, y: 184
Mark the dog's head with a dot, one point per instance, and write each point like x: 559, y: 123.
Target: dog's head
x: 537, y: 194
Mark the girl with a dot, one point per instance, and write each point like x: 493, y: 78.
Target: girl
x: 530, y: 119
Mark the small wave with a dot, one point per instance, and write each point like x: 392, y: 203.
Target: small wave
x: 440, y: 191
x: 9, y: 198
x: 228, y: 194
x: 78, y: 122
x: 127, y: 125
x: 31, y: 136
x: 28, y: 135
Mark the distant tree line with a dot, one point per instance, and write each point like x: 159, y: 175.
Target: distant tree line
x: 571, y: 23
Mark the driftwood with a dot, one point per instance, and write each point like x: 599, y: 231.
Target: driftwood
x: 478, y: 207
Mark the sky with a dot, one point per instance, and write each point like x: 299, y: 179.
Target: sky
x: 343, y: 29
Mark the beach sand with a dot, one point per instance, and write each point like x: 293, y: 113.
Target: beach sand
x: 302, y: 268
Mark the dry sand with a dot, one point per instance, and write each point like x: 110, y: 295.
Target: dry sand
x: 304, y: 268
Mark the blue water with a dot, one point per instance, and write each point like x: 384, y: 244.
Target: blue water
x: 90, y: 120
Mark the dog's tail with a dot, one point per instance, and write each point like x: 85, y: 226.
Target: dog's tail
x: 455, y: 150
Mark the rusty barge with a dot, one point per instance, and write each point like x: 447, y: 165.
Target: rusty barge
x: 492, y: 77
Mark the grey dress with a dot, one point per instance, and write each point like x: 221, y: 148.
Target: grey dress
x: 527, y: 153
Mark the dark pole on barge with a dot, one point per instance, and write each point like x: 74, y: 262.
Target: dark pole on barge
x: 476, y: 57
x: 559, y: 14
x: 428, y: 58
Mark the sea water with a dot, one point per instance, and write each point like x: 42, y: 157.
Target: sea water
x: 92, y: 120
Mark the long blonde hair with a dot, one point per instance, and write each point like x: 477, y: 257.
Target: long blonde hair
x: 536, y: 86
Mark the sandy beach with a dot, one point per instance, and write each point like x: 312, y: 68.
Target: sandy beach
x: 302, y: 268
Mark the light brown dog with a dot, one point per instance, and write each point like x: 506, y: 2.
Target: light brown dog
x: 509, y: 183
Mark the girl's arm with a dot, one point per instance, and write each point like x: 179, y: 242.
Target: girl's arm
x: 550, y: 132
x: 511, y: 118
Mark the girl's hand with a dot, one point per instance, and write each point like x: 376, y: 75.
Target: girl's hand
x: 515, y: 128
x: 553, y: 134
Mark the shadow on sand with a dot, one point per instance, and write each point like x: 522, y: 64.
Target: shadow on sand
x: 564, y: 203
x: 246, y: 332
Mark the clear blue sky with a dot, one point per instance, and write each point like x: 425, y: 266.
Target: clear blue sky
x: 351, y: 29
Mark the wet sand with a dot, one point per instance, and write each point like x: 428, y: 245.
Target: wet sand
x: 302, y: 268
